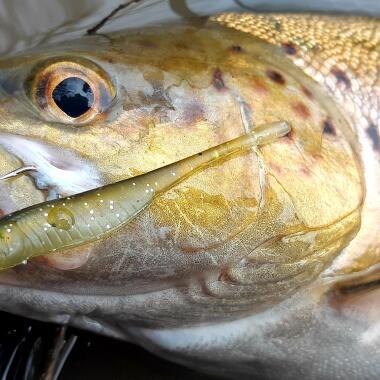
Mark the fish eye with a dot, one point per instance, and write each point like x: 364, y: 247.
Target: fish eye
x: 70, y: 91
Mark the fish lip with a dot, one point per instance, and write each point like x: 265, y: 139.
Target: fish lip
x: 10, y: 192
x: 9, y: 206
x: 46, y: 183
x: 58, y: 172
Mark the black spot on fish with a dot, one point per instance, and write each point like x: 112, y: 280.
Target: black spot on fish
x: 236, y: 48
x: 291, y: 135
x: 289, y: 48
x: 307, y: 92
x: 276, y: 77
x: 217, y: 79
x: 341, y: 76
x: 373, y: 134
x: 301, y: 110
x: 328, y: 127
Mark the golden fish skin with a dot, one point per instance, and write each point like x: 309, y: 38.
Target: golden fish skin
x: 173, y: 103
x: 342, y: 54
x: 226, y: 271
x: 62, y: 224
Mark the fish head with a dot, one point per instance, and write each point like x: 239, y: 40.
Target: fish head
x: 239, y: 235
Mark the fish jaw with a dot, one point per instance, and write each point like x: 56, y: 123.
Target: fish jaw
x: 56, y: 173
x: 60, y: 172
x: 18, y: 192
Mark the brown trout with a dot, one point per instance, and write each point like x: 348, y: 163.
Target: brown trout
x: 208, y: 190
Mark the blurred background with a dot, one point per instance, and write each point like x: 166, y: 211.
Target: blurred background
x: 92, y: 357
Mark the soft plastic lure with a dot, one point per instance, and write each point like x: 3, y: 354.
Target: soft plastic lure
x: 92, y: 215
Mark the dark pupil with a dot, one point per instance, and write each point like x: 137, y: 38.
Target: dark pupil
x: 73, y: 96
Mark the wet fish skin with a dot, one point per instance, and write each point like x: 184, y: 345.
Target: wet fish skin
x: 159, y: 300
x: 342, y: 54
x: 166, y: 101
x: 60, y: 224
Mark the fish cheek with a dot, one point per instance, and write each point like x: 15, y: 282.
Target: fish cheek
x: 324, y: 184
x: 198, y: 221
x: 211, y: 207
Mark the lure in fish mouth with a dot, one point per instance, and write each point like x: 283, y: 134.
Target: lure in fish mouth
x: 181, y: 176
x: 63, y: 224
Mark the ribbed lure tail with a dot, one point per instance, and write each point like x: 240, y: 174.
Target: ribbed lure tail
x: 92, y: 215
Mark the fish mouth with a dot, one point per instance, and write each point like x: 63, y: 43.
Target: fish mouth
x: 56, y: 171
x: 33, y: 172
x: 11, y: 198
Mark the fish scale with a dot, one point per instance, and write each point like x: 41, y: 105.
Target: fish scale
x: 341, y: 53
x: 226, y: 270
x: 349, y: 43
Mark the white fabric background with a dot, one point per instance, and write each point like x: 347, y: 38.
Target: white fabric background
x: 25, y: 23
